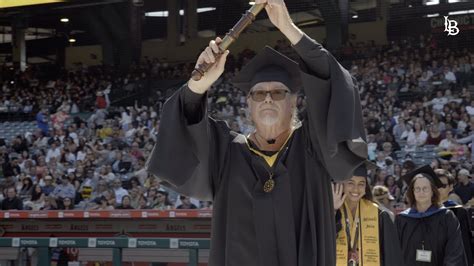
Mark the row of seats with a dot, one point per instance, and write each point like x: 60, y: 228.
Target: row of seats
x: 9, y: 130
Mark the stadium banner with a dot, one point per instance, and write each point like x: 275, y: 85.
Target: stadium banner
x: 116, y: 214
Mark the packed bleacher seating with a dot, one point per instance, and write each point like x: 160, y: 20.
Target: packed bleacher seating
x: 86, y: 150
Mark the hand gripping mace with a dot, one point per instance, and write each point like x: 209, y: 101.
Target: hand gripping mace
x: 229, y: 38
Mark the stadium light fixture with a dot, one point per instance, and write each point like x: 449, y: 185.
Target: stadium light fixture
x: 64, y: 20
x: 432, y: 15
x: 461, y: 12
x: 72, y: 40
x: 432, y: 2
x: 252, y: 3
x: 355, y: 16
x: 165, y: 13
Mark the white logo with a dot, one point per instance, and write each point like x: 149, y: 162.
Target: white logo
x: 451, y: 26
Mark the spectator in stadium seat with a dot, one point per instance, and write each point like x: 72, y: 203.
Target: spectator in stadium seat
x: 383, y: 197
x: 142, y: 203
x: 99, y: 189
x: 135, y: 152
x: 135, y: 194
x: 106, y: 175
x: 163, y: 202
x: 101, y: 102
x: 465, y: 187
x: 186, y: 203
x: 50, y: 203
x: 417, y: 137
x: 448, y: 143
x: 439, y: 102
x: 434, y: 135
x: 48, y: 186
x: 88, y: 184
x: 399, y: 128
x: 119, y: 191
x: 42, y: 120
x: 392, y: 186
x: 468, y: 140
x: 126, y: 204
x: 26, y: 188
x: 109, y: 196
x: 67, y: 204
x: 102, y: 204
x: 37, y: 199
x: 388, y: 150
x: 54, y: 151
x: 449, y: 75
x: 64, y: 190
x: 12, y: 202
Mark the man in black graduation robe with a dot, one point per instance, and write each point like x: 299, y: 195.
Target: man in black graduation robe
x: 293, y: 223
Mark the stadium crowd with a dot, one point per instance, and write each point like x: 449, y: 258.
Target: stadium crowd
x: 417, y: 106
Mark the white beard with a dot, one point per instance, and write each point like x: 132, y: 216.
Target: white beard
x: 269, y: 120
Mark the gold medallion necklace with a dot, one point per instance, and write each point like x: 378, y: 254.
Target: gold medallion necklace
x: 269, y: 183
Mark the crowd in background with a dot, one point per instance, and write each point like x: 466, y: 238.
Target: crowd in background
x: 414, y: 93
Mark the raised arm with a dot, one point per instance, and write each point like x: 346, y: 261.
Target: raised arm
x: 188, y: 139
x: 466, y: 140
x: 308, y: 49
x: 334, y: 118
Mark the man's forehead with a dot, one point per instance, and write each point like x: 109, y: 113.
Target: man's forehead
x: 269, y: 85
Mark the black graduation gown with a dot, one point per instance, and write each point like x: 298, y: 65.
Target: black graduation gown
x: 390, y: 250
x: 464, y: 221
x: 293, y: 225
x: 441, y: 234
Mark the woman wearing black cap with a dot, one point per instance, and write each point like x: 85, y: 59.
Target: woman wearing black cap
x: 429, y: 233
x: 366, y: 234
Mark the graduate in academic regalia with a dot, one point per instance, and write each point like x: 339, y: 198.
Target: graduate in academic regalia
x: 271, y: 190
x: 429, y: 233
x: 461, y: 213
x: 366, y: 234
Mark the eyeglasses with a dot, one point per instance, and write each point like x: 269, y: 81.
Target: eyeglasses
x: 276, y: 95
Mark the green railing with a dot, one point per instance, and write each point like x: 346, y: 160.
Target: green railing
x: 117, y: 244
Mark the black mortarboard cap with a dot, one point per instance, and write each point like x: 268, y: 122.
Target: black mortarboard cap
x: 427, y: 172
x: 362, y: 169
x: 269, y: 65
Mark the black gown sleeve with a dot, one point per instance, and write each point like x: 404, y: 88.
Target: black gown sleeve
x: 338, y: 219
x: 334, y: 114
x: 193, y: 107
x: 454, y: 249
x: 463, y: 217
x: 188, y: 141
x: 390, y: 245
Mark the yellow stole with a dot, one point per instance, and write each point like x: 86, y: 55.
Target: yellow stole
x: 368, y: 240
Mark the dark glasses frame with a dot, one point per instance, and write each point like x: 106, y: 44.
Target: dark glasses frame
x: 261, y: 95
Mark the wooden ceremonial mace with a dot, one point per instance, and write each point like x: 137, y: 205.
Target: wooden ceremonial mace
x: 229, y: 38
